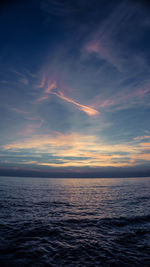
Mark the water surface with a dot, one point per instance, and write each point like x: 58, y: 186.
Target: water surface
x: 74, y: 222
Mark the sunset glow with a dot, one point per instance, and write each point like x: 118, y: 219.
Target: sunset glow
x: 75, y: 88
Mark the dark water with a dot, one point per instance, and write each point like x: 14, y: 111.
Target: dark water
x: 74, y: 222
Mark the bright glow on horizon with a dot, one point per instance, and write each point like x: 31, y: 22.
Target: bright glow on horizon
x: 79, y: 150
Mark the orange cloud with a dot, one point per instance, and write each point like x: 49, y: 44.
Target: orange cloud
x: 79, y: 150
x: 144, y: 156
x: 47, y: 91
x: 51, y: 85
x: 145, y: 145
x: 85, y: 164
x: 88, y: 110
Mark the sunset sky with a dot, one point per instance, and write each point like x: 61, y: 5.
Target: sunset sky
x: 74, y: 87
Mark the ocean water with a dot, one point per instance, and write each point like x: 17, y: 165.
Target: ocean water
x: 74, y: 222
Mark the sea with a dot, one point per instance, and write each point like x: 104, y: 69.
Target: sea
x: 74, y: 222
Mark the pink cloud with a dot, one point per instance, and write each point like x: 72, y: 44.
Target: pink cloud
x: 50, y: 87
x: 99, y: 47
x: 41, y: 98
x: 93, y: 47
x: 20, y: 111
x: 41, y: 85
x: 142, y: 92
x: 103, y: 43
x: 125, y: 96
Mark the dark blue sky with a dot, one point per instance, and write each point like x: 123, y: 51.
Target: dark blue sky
x: 75, y: 87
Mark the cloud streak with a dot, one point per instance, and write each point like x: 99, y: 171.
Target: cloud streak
x: 88, y: 110
x: 20, y: 111
x: 122, y: 98
x: 52, y: 85
x: 102, y: 41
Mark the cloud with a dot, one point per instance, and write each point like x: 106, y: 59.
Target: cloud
x: 23, y: 79
x: 47, y: 86
x: 123, y: 98
x: 145, y: 157
x: 102, y: 42
x: 75, y: 149
x: 88, y: 110
x: 145, y: 145
x: 138, y: 138
x: 85, y: 67
x: 52, y: 85
x: 41, y: 98
x: 42, y: 83
x: 20, y: 111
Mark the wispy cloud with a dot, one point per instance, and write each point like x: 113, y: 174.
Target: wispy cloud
x: 84, y: 100
x: 51, y: 85
x: 102, y: 41
x: 20, y: 111
x: 47, y: 86
x: 22, y: 77
x: 123, y: 98
x: 142, y: 137
x: 88, y: 110
x: 41, y: 98
x: 42, y: 83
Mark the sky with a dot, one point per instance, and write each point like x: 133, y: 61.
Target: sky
x: 75, y: 88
